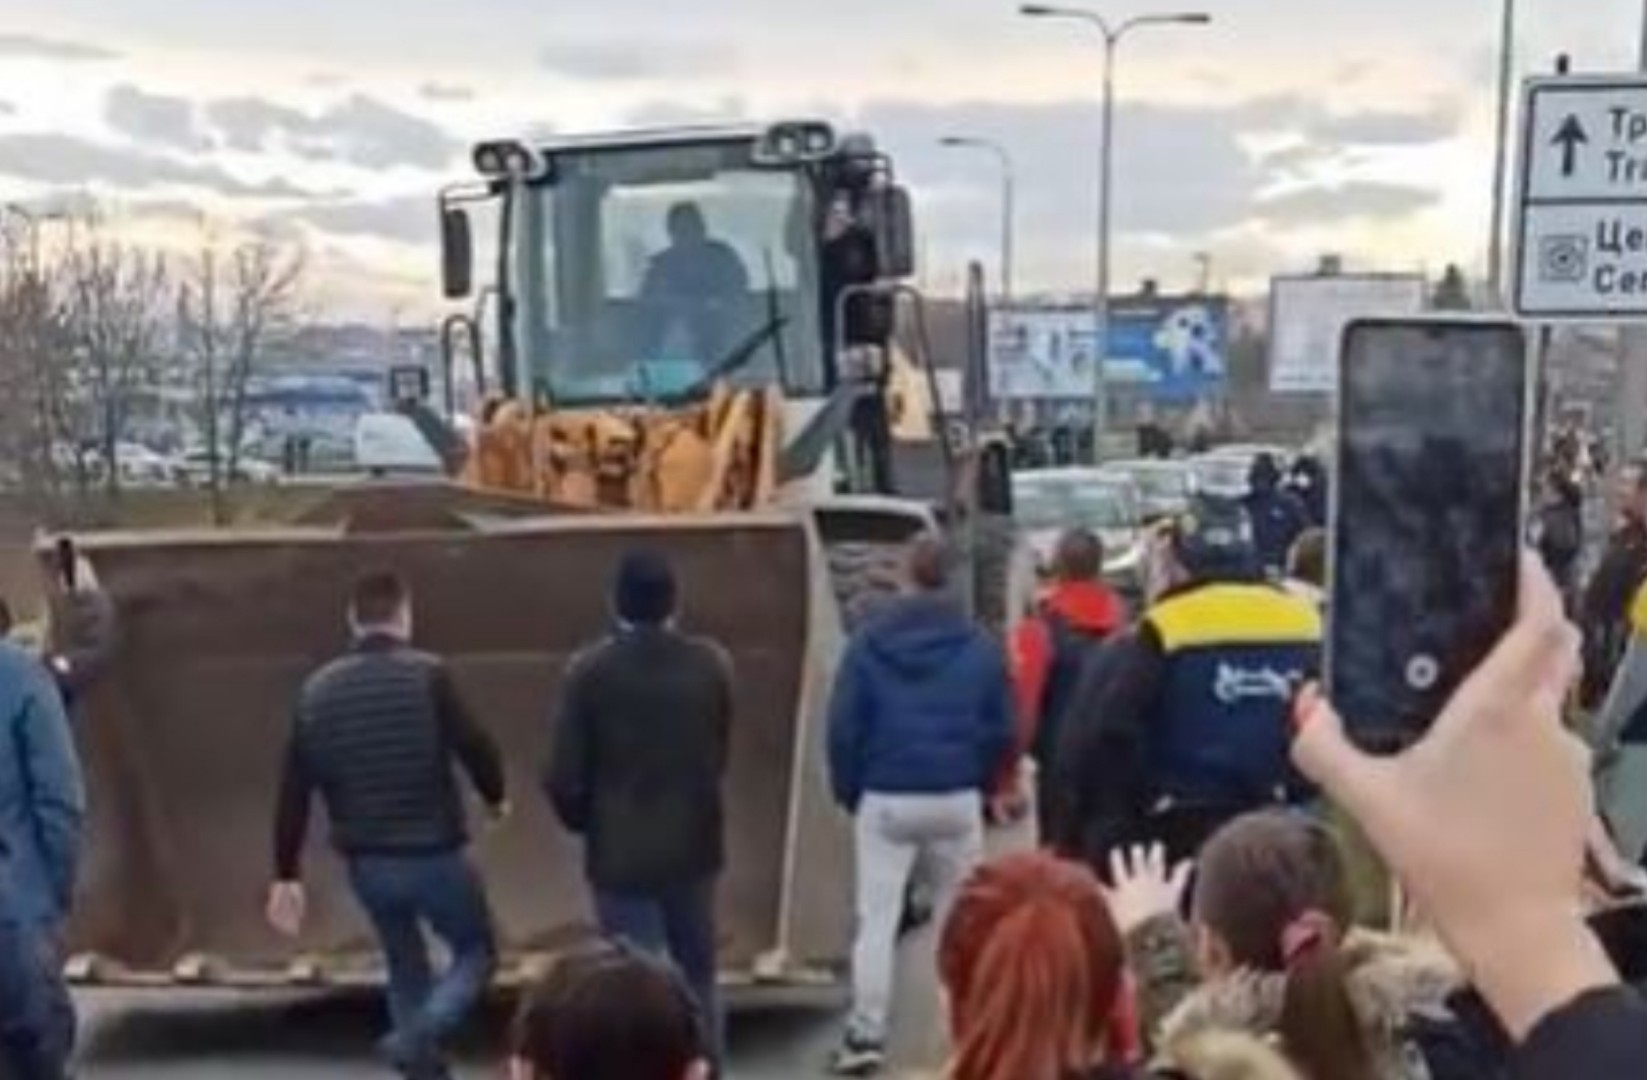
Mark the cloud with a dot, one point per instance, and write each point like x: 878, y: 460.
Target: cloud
x: 28, y: 46
x: 1300, y: 158
x: 636, y: 59
x: 1331, y: 204
x: 247, y: 123
x: 375, y: 135
x: 1178, y: 169
x: 51, y: 158
x: 1273, y: 112
x: 1389, y: 127
x: 360, y: 130
x: 152, y: 118
x: 445, y: 92
x: 664, y: 113
x: 405, y: 220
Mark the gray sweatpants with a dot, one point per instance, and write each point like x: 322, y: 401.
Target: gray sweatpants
x: 946, y: 832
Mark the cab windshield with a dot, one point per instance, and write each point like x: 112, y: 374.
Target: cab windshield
x: 647, y: 273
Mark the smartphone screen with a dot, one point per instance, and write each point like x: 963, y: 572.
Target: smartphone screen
x: 1427, y: 513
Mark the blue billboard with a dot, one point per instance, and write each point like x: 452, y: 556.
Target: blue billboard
x: 1175, y: 349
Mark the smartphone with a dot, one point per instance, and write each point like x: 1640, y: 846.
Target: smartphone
x: 1427, y: 510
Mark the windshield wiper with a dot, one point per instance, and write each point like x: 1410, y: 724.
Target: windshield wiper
x: 729, y: 364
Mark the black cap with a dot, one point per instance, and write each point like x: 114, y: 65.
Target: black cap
x: 644, y: 592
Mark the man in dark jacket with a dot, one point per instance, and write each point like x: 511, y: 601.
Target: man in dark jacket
x: 377, y: 733
x: 1559, y: 528
x: 1184, y: 724
x: 1052, y: 647
x: 920, y: 727
x: 1277, y: 515
x: 1604, y: 615
x: 642, y: 740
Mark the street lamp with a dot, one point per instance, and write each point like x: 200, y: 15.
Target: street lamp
x: 1008, y: 199
x: 1501, y: 155
x: 1113, y: 33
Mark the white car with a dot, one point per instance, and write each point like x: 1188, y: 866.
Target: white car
x: 1047, y: 502
x: 193, y: 468
x: 142, y: 467
x: 1166, y: 486
x: 1224, y: 471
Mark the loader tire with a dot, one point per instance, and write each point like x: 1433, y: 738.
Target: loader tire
x: 994, y: 566
x: 865, y: 576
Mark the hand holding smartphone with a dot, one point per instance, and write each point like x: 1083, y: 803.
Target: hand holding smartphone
x: 1427, y: 512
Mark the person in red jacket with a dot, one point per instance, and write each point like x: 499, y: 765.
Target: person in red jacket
x: 1049, y: 648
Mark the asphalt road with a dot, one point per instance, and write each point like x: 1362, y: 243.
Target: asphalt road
x: 186, y: 1036
x: 180, y: 1036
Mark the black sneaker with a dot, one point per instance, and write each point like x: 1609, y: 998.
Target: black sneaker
x: 412, y: 1059
x: 857, y: 1056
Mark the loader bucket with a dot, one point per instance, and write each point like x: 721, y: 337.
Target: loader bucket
x: 183, y: 737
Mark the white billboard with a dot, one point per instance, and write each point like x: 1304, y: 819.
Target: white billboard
x: 1308, y: 316
x: 1041, y: 354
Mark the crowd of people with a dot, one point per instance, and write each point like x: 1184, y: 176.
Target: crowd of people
x: 1190, y: 907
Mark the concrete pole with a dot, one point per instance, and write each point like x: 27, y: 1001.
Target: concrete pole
x: 1633, y: 359
x: 1106, y: 207
x: 1501, y: 159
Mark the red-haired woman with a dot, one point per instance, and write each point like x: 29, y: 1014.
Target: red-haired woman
x: 1035, y: 973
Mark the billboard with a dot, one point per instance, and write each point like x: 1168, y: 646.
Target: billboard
x: 1308, y: 316
x: 1172, y: 347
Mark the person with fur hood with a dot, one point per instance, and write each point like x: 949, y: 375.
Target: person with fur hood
x: 1270, y: 952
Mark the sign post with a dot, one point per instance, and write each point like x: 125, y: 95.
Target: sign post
x: 1581, y: 232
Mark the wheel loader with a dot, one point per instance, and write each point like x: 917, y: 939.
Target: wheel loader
x: 684, y: 344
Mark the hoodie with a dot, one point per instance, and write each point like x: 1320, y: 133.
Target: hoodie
x: 1049, y: 651
x: 922, y: 705
x: 42, y: 793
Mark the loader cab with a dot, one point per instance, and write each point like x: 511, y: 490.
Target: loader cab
x: 644, y: 268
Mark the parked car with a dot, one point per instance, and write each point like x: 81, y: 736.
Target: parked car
x: 1224, y: 471
x: 193, y: 468
x: 1166, y: 487
x: 142, y: 467
x: 1049, y: 501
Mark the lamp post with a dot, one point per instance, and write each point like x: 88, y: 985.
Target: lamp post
x: 1113, y: 34
x: 1501, y: 155
x: 1009, y: 210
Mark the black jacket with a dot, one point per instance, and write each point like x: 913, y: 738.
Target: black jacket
x: 1600, y: 1036
x: 376, y: 733
x: 1182, y: 722
x: 1607, y: 605
x: 641, y: 743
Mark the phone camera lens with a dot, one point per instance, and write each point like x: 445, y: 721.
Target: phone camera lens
x: 1423, y: 672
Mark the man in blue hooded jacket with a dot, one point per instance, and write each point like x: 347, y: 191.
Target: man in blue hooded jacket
x: 42, y: 806
x: 921, y: 723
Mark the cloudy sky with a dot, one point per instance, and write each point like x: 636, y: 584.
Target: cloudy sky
x: 1285, y: 129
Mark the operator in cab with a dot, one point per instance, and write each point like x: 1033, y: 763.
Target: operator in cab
x: 1184, y: 724
x: 689, y: 296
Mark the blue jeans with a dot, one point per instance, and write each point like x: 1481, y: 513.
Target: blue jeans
x: 404, y: 896
x: 677, y: 923
x: 37, y: 1019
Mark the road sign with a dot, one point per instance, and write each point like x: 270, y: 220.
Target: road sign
x: 1581, y: 251
x: 1308, y: 316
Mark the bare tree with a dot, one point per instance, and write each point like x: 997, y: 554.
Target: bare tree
x: 25, y: 429
x: 115, y: 311
x: 235, y: 303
